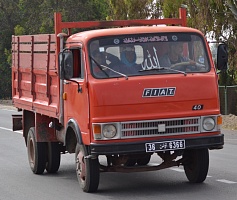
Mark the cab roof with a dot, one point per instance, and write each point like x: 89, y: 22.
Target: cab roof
x: 88, y: 35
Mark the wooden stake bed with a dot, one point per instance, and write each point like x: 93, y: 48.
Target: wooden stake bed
x: 35, y: 73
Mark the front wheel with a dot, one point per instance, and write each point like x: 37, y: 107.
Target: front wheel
x: 36, y: 153
x: 196, y: 165
x: 87, y: 170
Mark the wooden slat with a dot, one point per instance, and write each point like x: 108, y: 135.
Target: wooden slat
x: 24, y: 70
x: 43, y: 47
x: 40, y: 61
x: 24, y: 47
x: 24, y: 60
x: 43, y: 37
x: 37, y: 38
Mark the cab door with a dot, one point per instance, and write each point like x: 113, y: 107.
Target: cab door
x: 76, y: 101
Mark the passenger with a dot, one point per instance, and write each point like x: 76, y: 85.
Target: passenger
x: 128, y: 55
x: 128, y: 59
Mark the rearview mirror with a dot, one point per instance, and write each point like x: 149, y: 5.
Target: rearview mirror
x: 66, y: 64
x: 222, y: 57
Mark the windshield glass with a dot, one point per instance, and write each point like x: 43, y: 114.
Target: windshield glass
x: 148, y: 54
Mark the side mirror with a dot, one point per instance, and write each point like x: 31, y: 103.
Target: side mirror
x: 66, y: 64
x: 222, y: 57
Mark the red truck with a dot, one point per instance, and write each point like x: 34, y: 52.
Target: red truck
x: 82, y: 93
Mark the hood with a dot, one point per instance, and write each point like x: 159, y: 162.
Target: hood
x: 153, y: 97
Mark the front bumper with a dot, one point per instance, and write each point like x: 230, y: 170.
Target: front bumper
x: 211, y: 142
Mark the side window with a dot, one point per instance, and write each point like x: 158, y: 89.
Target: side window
x: 78, y: 63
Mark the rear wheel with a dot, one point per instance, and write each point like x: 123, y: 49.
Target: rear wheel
x: 87, y: 170
x: 54, y: 157
x: 36, y: 153
x: 197, y: 164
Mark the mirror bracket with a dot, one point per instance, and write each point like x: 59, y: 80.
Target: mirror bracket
x: 79, y: 88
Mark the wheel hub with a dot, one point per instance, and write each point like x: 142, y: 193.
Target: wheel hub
x: 81, y: 166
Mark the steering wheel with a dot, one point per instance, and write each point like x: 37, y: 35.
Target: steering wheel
x: 181, y: 64
x: 187, y: 64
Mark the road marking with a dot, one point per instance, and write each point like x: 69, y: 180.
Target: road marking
x: 182, y: 170
x: 8, y: 109
x: 229, y: 139
x: 226, y: 181
x: 8, y: 129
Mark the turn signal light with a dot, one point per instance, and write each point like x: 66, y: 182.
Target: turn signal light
x: 219, y: 120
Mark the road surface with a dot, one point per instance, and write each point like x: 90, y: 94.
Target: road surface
x: 19, y: 183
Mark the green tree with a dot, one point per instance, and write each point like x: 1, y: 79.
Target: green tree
x: 38, y: 15
x: 132, y: 9
x: 9, y: 16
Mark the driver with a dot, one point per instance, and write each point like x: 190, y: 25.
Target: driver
x: 174, y: 56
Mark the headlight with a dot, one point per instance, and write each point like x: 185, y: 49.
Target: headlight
x: 109, y: 131
x: 208, y: 124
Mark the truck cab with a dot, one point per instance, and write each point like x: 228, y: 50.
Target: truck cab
x: 148, y: 104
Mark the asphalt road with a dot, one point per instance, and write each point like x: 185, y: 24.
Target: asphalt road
x: 17, y: 182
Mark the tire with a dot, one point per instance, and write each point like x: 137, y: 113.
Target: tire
x: 54, y: 157
x: 88, y: 173
x: 36, y: 153
x: 197, y: 165
x: 144, y: 160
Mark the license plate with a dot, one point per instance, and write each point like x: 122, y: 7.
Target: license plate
x: 165, y: 145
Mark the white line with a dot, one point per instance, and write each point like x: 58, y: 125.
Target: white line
x: 18, y: 132
x: 229, y: 139
x: 182, y: 170
x: 226, y: 181
x: 8, y: 109
x: 8, y: 129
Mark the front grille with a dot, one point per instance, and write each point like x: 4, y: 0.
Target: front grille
x: 151, y: 128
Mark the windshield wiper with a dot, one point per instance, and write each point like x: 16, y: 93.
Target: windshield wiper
x: 99, y: 66
x: 103, y: 67
x: 165, y: 68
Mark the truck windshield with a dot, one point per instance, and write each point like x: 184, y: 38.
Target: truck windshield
x: 148, y: 54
